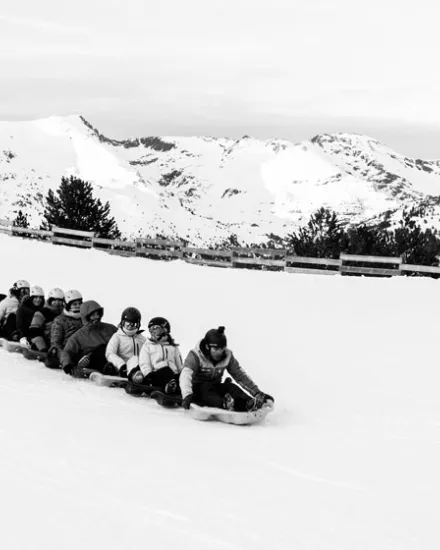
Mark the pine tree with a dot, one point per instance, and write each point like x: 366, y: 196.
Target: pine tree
x: 21, y: 220
x: 322, y: 237
x: 74, y: 207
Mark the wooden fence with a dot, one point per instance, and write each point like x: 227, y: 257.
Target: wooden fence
x: 245, y: 258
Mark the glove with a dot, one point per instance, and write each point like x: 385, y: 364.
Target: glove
x: 84, y: 362
x: 123, y: 371
x: 186, y: 401
x: 261, y: 398
x: 24, y: 342
x: 53, y: 351
x: 68, y: 369
x: 137, y: 378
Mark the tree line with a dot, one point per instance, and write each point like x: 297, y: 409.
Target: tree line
x: 73, y: 206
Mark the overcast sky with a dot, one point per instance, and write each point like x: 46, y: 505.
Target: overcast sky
x: 272, y: 68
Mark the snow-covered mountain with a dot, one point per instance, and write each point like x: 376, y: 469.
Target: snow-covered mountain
x: 204, y: 189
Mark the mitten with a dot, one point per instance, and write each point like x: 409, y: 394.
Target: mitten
x: 186, y: 401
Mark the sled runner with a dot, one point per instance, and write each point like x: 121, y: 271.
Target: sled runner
x: 230, y: 417
x: 108, y: 381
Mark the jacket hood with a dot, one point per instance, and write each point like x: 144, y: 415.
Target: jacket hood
x: 89, y: 307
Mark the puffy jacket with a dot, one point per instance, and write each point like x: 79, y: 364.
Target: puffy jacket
x: 87, y: 338
x: 199, y: 368
x: 62, y: 329
x: 25, y: 313
x: 156, y: 355
x: 7, y: 306
x: 122, y: 349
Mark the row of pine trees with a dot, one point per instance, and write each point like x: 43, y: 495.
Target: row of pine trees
x: 73, y: 206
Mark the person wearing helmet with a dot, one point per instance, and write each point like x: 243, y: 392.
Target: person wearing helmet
x: 8, y: 309
x: 84, y: 351
x: 160, y: 361
x: 122, y: 352
x: 201, y: 377
x: 28, y: 307
x: 41, y: 324
x: 64, y: 326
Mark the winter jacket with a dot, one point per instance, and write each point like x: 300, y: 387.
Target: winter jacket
x: 42, y: 322
x: 63, y: 327
x: 156, y: 355
x: 25, y: 313
x: 198, y: 368
x: 87, y: 338
x: 7, y: 306
x: 123, y: 349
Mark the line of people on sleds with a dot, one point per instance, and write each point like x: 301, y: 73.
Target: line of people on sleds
x: 74, y: 337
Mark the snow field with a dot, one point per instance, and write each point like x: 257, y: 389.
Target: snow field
x: 348, y: 459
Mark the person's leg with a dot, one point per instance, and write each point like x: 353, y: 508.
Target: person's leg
x: 10, y: 328
x: 208, y: 394
x: 241, y: 399
x: 160, y: 378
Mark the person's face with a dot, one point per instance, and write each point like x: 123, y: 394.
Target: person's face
x: 94, y: 317
x: 58, y: 304
x: 24, y: 291
x: 37, y: 300
x: 129, y: 326
x: 75, y: 306
x: 156, y: 332
x: 217, y: 352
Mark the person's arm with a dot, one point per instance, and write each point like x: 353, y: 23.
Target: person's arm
x: 145, y: 363
x: 57, y: 334
x: 241, y: 376
x: 191, y: 366
x: 111, y: 352
x: 70, y: 353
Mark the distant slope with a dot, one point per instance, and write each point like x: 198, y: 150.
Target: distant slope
x: 205, y: 189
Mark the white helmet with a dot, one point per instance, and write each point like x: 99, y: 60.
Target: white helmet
x: 37, y: 291
x: 55, y: 294
x: 72, y: 296
x: 21, y: 283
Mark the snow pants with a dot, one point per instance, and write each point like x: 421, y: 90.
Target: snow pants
x: 211, y: 394
x: 160, y: 378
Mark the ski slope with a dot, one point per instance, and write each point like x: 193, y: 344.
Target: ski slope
x: 348, y: 460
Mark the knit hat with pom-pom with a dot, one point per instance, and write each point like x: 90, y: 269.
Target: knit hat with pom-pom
x: 216, y: 337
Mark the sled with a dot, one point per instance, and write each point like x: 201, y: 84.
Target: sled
x: 108, y: 381
x: 166, y: 400
x: 230, y: 417
x: 16, y: 347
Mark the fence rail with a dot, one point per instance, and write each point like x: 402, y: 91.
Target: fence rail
x: 244, y: 258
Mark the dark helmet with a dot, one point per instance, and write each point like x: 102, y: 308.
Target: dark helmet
x: 161, y: 322
x: 132, y: 315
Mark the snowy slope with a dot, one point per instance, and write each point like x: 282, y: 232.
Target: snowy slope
x: 348, y: 460
x: 205, y: 189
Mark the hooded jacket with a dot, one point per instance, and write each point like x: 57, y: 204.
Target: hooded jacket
x: 157, y: 355
x: 87, y: 338
x: 198, y: 369
x: 122, y: 348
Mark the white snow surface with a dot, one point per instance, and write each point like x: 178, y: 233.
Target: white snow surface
x: 348, y: 460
